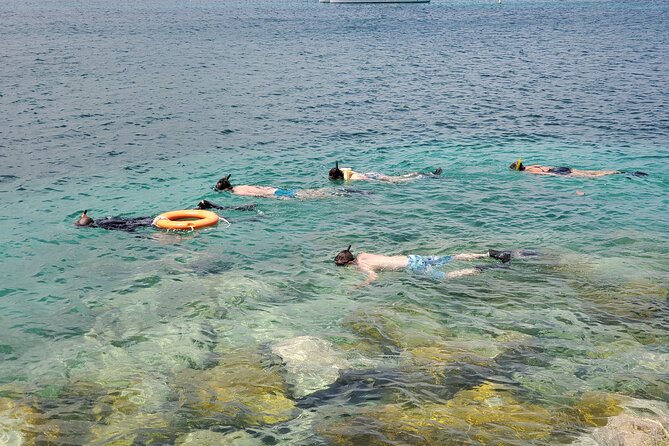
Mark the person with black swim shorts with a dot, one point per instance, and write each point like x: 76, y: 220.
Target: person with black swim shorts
x: 568, y: 171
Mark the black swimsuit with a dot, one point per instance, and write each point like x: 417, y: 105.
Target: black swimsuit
x: 123, y: 224
x: 559, y: 170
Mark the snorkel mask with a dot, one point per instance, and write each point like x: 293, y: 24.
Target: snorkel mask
x: 223, y: 184
x: 336, y: 173
x: 344, y: 257
x: 518, y: 165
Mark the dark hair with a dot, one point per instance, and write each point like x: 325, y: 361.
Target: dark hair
x: 335, y: 173
x: 224, y: 183
x: 514, y: 165
x: 344, y: 257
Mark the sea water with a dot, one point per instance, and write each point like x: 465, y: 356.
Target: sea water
x: 136, y: 108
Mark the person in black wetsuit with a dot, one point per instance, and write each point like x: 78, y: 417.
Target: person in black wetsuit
x: 130, y: 224
x: 561, y: 170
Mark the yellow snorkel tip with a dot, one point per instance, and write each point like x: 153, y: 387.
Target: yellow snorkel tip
x: 518, y: 163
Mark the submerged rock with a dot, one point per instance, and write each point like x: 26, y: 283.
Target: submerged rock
x: 487, y: 414
x: 147, y: 395
x: 397, y: 327
x: 636, y: 299
x: 636, y: 423
x: 310, y: 364
x: 142, y: 428
x: 594, y: 408
x: 239, y: 391
x: 21, y: 424
x: 210, y: 438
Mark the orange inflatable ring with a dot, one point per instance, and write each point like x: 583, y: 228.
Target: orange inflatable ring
x: 175, y: 219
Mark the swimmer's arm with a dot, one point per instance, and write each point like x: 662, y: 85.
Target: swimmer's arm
x: 400, y: 178
x: 371, y: 276
x: 593, y: 173
x: 357, y: 176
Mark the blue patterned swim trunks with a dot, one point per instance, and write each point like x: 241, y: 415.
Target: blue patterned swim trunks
x: 285, y: 193
x: 424, y: 265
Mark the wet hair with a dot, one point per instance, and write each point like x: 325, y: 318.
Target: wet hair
x: 224, y: 183
x: 515, y: 165
x: 344, y: 257
x: 84, y: 220
x: 336, y: 173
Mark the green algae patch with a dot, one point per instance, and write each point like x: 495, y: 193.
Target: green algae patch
x: 595, y: 408
x: 397, y: 326
x: 121, y: 430
x: 210, y: 438
x: 451, y: 352
x: 239, y: 390
x: 486, y: 414
x: 639, y: 299
x: 22, y: 424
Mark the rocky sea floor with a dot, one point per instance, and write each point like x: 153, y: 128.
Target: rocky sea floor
x: 382, y: 373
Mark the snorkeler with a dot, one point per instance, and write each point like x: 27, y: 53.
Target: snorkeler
x: 348, y: 174
x: 114, y: 223
x: 370, y: 264
x: 274, y: 192
x: 550, y: 170
x: 130, y: 224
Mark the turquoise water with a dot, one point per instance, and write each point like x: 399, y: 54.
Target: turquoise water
x: 135, y: 109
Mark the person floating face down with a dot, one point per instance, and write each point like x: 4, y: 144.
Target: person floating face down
x: 346, y: 174
x: 371, y: 264
x: 256, y: 191
x: 130, y: 224
x: 274, y: 192
x: 567, y: 171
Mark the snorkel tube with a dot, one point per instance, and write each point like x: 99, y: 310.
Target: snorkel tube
x: 518, y: 164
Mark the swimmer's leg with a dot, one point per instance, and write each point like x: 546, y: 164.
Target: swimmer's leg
x: 468, y: 256
x: 349, y: 191
x: 482, y: 268
x: 242, y: 207
x: 206, y: 204
x: 462, y: 272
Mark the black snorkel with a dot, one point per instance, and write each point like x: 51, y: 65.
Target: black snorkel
x: 84, y: 220
x: 336, y: 173
x: 223, y: 183
x: 344, y: 257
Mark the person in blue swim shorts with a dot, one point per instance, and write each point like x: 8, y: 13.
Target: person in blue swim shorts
x: 274, y: 192
x: 371, y: 264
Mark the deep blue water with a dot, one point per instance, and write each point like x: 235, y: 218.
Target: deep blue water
x: 135, y: 108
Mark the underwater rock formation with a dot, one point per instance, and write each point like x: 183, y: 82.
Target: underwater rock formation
x: 623, y: 421
x: 310, y: 364
x: 486, y: 414
x: 210, y: 438
x: 239, y: 391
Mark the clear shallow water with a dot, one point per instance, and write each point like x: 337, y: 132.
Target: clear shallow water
x: 136, y: 109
